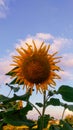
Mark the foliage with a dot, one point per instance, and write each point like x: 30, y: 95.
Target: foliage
x: 11, y: 112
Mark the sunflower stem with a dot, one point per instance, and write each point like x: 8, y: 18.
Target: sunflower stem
x: 43, y: 111
x: 44, y: 99
x: 35, y: 108
x: 47, y: 98
x: 63, y: 113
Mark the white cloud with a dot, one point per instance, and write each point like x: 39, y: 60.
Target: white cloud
x: 68, y: 60
x: 4, y: 65
x: 66, y: 75
x: 44, y: 36
x: 67, y: 65
x: 29, y: 40
x: 4, y: 68
x: 61, y: 44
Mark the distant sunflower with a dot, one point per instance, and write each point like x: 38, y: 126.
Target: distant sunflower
x: 35, y: 66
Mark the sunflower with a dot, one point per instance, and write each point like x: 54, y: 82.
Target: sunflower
x: 35, y: 67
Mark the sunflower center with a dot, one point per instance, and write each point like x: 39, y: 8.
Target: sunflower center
x: 36, y: 69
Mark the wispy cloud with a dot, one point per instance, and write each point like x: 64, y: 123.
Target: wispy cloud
x: 3, y: 8
x: 2, y: 3
x: 44, y: 36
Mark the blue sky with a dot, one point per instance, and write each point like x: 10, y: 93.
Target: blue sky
x: 42, y: 20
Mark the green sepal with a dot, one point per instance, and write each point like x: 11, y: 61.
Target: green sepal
x: 11, y: 73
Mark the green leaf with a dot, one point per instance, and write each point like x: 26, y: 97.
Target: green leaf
x: 9, y: 106
x: 39, y: 104
x: 27, y: 108
x: 54, y: 102
x: 66, y: 93
x: 3, y: 98
x: 70, y: 107
x: 43, y: 120
x: 1, y: 124
x: 24, y: 97
x: 1, y: 114
x: 15, y: 118
x: 54, y: 127
x: 66, y: 126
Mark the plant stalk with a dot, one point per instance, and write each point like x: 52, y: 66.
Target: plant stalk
x: 35, y: 108
x: 63, y: 113
x: 43, y: 111
x: 44, y: 99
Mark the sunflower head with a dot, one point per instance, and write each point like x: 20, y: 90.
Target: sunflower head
x: 35, y: 66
